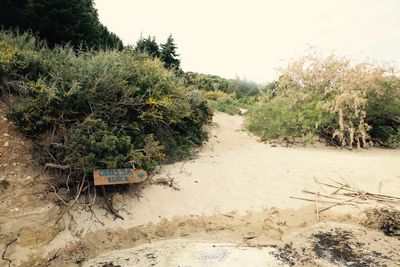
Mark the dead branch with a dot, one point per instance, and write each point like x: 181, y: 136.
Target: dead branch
x: 108, y: 201
x: 55, y: 256
x: 356, y: 196
x: 3, y: 256
x: 330, y: 197
x: 169, y: 182
x: 317, y: 206
x: 56, y: 166
x: 339, y: 203
x: 313, y: 200
x: 55, y: 193
x: 74, y: 201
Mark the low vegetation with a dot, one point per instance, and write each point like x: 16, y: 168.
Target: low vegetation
x: 344, y: 104
x: 225, y: 95
x: 228, y: 103
x: 99, y: 109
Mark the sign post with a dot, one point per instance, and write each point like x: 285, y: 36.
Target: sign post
x: 118, y: 176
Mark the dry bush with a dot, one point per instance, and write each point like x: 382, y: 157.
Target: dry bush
x: 346, y: 104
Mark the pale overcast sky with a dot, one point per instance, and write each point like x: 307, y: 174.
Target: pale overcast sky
x: 253, y: 38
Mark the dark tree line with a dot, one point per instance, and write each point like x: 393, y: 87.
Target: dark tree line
x: 59, y: 22
x: 165, y: 52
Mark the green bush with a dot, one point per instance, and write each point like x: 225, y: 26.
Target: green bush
x: 223, y: 102
x: 283, y: 118
x: 342, y: 103
x: 206, y: 82
x: 98, y: 109
x: 228, y: 103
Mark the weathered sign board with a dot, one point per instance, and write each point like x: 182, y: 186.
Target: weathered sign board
x: 118, y: 176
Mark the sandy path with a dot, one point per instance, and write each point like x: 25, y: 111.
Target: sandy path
x: 232, y: 174
x: 235, y: 172
x: 235, y: 191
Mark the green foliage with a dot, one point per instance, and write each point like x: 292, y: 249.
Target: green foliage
x: 164, y: 52
x: 344, y: 104
x: 223, y: 102
x: 148, y: 46
x: 228, y: 103
x: 102, y: 108
x: 94, y: 143
x: 286, y: 119
x: 225, y: 95
x: 383, y: 113
x: 19, y: 56
x: 208, y: 82
x: 59, y: 22
x: 168, y: 54
x: 243, y: 88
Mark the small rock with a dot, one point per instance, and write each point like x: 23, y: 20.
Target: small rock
x: 6, y: 134
x: 5, y: 119
x: 6, y: 144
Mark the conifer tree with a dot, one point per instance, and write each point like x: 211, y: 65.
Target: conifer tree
x: 168, y: 54
x: 148, y: 45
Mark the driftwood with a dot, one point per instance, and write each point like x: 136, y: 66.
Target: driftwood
x: 344, y: 194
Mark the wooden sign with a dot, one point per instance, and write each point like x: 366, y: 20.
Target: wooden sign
x: 118, y: 176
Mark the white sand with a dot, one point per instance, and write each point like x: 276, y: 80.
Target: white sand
x: 235, y: 172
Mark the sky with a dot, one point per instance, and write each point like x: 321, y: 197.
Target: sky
x: 254, y: 39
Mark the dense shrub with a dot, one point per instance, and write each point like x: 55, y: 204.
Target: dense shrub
x: 345, y: 104
x: 98, y: 109
x: 207, y: 82
x: 222, y: 102
x: 228, y: 103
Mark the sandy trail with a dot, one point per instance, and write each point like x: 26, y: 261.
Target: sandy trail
x: 250, y: 184
x: 236, y: 191
x: 235, y: 172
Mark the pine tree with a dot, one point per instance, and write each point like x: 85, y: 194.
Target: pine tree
x: 148, y: 45
x: 168, y: 54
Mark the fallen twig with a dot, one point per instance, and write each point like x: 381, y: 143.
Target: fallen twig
x: 337, y: 204
x: 330, y: 197
x: 316, y: 204
x: 55, y: 193
x: 55, y: 256
x: 3, y: 256
x: 109, y: 204
x: 313, y: 200
x: 56, y: 166
x: 74, y: 201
